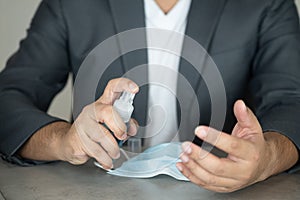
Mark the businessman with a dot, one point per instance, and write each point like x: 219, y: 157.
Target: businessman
x: 255, y: 45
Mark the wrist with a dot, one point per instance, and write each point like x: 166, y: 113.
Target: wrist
x: 70, y: 147
x: 45, y: 144
x: 271, y: 155
x: 59, y: 142
x: 281, y: 153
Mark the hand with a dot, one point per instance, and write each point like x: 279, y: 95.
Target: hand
x: 89, y: 138
x: 250, y: 159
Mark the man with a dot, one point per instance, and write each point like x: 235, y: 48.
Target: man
x: 254, y: 43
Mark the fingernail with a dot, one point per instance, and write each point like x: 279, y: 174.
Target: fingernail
x: 200, y: 132
x: 118, y: 155
x: 184, y: 158
x: 132, y: 87
x: 134, y: 127
x: 124, y: 136
x: 179, y: 167
x: 243, y: 107
x: 106, y: 167
x: 186, y: 147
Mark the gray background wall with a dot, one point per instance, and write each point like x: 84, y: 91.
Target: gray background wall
x: 15, y: 16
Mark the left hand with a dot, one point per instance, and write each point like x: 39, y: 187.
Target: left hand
x: 248, y: 159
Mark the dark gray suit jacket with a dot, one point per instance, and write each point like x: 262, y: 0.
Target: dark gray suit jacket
x: 254, y: 43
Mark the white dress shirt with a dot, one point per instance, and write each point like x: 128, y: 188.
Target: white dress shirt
x: 163, y: 67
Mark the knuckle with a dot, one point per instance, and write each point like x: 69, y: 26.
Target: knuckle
x: 187, y: 174
x: 98, y: 153
x: 77, y: 130
x: 211, y: 181
x: 245, y: 177
x: 79, y: 160
x: 111, y: 82
x: 77, y: 157
x: 112, y: 149
x: 114, y: 82
x: 234, y: 144
x: 199, y: 183
x: 255, y: 156
x: 219, y: 169
x: 192, y: 166
x: 79, y: 121
x: 89, y: 111
x: 105, y: 110
x: 110, y: 145
x: 99, y: 137
x: 86, y: 109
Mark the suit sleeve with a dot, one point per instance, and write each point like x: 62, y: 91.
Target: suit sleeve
x: 31, y: 79
x: 276, y: 71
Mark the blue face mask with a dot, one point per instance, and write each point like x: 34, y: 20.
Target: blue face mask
x: 159, y: 159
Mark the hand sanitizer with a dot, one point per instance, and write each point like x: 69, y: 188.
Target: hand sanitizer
x: 124, y: 106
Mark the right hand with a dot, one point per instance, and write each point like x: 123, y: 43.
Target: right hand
x: 88, y: 137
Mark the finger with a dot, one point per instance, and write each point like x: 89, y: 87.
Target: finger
x: 185, y: 171
x: 230, y: 144
x: 221, y: 167
x: 204, y: 179
x: 115, y: 87
x: 94, y: 150
x: 245, y: 117
x: 105, y: 114
x: 101, y: 135
x: 110, y: 145
x: 133, y: 127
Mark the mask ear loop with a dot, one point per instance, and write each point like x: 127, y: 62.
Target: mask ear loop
x: 124, y: 153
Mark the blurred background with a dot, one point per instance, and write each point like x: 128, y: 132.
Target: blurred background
x: 15, y: 17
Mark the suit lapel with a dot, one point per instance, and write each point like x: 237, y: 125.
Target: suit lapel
x: 202, y: 22
x: 203, y: 19
x: 127, y: 15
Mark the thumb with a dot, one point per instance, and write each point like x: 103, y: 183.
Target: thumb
x: 115, y: 87
x: 246, y: 118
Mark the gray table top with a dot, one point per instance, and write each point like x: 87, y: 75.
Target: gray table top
x: 64, y: 181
